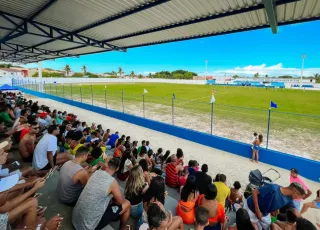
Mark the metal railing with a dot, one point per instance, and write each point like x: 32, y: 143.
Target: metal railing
x: 292, y: 133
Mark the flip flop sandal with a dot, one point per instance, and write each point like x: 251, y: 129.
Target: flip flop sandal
x: 37, y: 195
x: 51, y: 172
x: 41, y: 210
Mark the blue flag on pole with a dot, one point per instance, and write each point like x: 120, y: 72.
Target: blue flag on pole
x: 273, y: 105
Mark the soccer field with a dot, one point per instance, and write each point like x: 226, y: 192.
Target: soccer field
x: 288, y: 100
x: 237, y: 112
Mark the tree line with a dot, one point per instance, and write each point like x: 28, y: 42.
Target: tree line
x: 177, y: 74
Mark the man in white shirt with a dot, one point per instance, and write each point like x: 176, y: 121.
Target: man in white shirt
x: 45, y: 156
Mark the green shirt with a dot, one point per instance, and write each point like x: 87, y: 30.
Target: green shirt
x: 96, y: 161
x: 4, y: 117
x: 139, y: 149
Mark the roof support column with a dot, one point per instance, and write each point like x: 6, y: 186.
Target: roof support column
x: 270, y: 7
x: 40, y: 77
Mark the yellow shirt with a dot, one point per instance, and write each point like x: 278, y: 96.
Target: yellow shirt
x: 223, y: 192
x: 74, y: 150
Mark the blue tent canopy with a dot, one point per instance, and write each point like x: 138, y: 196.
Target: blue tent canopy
x: 8, y: 87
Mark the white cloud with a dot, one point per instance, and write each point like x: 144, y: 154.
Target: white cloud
x: 273, y: 70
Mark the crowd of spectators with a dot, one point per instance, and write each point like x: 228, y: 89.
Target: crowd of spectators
x: 91, y: 160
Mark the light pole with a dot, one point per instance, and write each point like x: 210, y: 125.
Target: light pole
x: 303, y: 57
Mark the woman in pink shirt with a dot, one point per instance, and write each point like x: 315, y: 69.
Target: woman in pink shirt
x: 294, y: 177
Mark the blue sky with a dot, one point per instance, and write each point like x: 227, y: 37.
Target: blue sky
x: 241, y: 53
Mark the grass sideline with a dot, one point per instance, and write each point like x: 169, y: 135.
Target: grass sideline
x: 288, y: 100
x: 237, y: 113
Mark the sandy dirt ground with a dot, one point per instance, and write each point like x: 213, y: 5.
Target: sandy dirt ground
x: 236, y: 168
x: 293, y: 140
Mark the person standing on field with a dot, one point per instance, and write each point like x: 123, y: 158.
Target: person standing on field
x: 256, y: 148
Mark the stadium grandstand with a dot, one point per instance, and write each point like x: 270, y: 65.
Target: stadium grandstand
x: 44, y: 143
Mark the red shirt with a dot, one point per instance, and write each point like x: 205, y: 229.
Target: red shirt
x: 182, y: 181
x: 23, y: 132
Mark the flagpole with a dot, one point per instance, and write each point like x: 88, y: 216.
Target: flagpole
x: 80, y: 93
x: 71, y: 91
x: 143, y: 105
x: 105, y: 96
x: 91, y: 95
x: 122, y: 101
x: 269, y: 113
x: 172, y: 109
x: 211, y: 117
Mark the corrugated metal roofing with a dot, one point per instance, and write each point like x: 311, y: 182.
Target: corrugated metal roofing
x: 32, y: 31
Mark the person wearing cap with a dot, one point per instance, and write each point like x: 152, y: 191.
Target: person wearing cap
x: 294, y: 177
x: 270, y: 198
x: 22, y: 207
x: 27, y: 143
x: 41, y: 118
x: 7, y: 170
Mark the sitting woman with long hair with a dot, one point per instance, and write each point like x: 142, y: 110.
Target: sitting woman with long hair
x: 217, y: 216
x: 119, y: 149
x: 135, y: 187
x: 125, y: 165
x: 154, y: 194
x: 243, y: 221
x: 144, y: 165
x: 186, y: 207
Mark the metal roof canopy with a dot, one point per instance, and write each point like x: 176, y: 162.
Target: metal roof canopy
x: 33, y: 31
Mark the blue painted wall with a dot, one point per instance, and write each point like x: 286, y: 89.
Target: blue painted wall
x: 307, y: 168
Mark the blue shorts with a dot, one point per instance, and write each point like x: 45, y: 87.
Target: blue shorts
x: 256, y: 147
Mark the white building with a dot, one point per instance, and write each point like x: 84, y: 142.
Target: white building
x: 6, y: 72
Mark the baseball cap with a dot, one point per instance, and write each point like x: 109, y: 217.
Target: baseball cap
x: 8, y: 182
x: 3, y: 144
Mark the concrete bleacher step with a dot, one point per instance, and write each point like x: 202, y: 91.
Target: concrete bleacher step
x: 49, y: 198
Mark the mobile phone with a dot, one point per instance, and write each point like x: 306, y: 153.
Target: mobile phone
x: 16, y: 164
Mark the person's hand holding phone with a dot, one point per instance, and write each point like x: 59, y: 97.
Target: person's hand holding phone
x: 39, y: 184
x: 95, y: 168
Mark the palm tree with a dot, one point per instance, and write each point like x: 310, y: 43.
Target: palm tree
x: 317, y: 77
x: 132, y: 74
x: 113, y: 73
x: 67, y: 70
x: 84, y: 69
x: 120, y: 71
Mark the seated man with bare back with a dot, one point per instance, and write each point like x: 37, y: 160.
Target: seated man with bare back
x: 27, y: 143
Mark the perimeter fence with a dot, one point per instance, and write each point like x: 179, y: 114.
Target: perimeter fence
x: 292, y: 133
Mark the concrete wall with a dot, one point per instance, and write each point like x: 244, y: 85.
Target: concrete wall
x: 307, y: 168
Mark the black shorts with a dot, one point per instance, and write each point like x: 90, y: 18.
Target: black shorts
x: 48, y: 166
x: 111, y: 214
x: 28, y: 158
